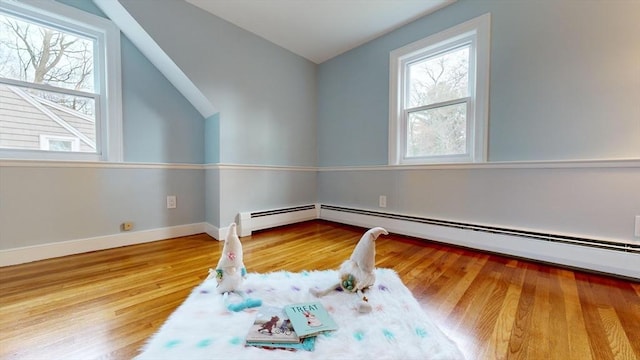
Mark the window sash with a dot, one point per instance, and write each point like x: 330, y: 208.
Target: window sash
x: 49, y: 88
x: 457, y: 101
x: 434, y: 53
x: 24, y: 14
x: 52, y: 89
x: 107, y: 78
x: 469, y: 133
x: 430, y: 53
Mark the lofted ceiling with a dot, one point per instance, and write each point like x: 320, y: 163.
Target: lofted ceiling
x: 319, y: 29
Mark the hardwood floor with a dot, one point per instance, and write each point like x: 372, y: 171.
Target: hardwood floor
x: 105, y: 304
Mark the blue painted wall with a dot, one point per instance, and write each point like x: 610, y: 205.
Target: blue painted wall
x: 266, y: 95
x: 44, y: 203
x: 212, y: 139
x: 159, y: 124
x: 564, y: 83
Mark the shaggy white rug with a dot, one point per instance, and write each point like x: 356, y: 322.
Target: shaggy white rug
x: 397, y: 328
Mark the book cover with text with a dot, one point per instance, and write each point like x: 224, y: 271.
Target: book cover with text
x: 310, y: 318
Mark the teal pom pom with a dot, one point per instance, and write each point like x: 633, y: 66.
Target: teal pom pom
x: 247, y: 303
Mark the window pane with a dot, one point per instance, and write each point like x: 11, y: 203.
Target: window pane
x: 27, y: 114
x: 439, y: 78
x: 437, y: 132
x: 37, y: 54
x: 59, y: 145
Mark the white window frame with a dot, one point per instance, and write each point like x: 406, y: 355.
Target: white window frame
x: 108, y: 73
x: 475, y: 32
x: 45, y: 141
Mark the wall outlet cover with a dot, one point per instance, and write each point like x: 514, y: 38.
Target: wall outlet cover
x: 127, y: 226
x: 171, y: 202
x: 382, y: 201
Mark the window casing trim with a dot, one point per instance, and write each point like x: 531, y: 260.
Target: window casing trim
x: 476, y: 33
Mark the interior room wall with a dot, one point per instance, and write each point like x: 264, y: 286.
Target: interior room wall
x: 564, y: 124
x: 558, y: 138
x: 43, y: 203
x: 266, y: 97
x: 265, y: 94
x: 50, y: 203
x: 564, y: 83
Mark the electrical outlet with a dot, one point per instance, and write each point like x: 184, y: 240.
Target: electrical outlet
x: 382, y: 201
x: 637, y: 231
x: 171, y: 202
x: 127, y: 225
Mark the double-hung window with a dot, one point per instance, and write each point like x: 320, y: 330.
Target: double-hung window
x: 59, y: 83
x: 439, y: 97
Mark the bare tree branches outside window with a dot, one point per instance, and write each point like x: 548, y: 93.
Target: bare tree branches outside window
x: 37, y: 54
x: 435, y: 126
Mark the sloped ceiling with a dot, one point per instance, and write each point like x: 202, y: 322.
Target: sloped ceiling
x: 320, y: 29
x: 314, y: 29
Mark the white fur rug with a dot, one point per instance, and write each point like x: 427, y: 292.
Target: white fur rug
x: 397, y: 328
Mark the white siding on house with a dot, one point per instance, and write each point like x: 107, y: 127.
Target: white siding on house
x: 22, y: 121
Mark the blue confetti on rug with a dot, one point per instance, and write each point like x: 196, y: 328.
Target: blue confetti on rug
x: 397, y: 328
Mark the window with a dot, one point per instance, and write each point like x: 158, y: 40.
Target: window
x: 53, y: 143
x: 439, y: 97
x: 59, y: 83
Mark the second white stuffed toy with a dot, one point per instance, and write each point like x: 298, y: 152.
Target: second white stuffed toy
x: 357, y: 273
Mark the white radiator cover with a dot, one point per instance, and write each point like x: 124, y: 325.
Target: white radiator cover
x: 619, y: 259
x: 265, y: 219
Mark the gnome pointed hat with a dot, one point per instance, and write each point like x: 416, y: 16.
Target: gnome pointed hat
x: 232, y: 250
x: 364, y: 253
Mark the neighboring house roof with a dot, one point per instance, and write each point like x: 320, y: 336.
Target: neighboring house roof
x: 25, y: 117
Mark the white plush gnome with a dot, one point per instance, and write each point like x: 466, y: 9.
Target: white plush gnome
x: 357, y: 273
x: 230, y: 272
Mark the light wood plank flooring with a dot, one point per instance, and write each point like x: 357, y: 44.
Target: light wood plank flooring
x: 105, y: 304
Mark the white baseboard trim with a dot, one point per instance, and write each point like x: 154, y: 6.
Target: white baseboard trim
x: 613, y: 262
x: 216, y: 232
x: 52, y: 250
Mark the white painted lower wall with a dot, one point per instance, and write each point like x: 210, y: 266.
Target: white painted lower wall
x: 216, y: 232
x: 52, y: 250
x: 619, y: 263
x: 248, y: 188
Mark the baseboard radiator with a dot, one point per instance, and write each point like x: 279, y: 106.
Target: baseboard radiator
x: 264, y: 219
x: 616, y: 258
x: 610, y: 257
